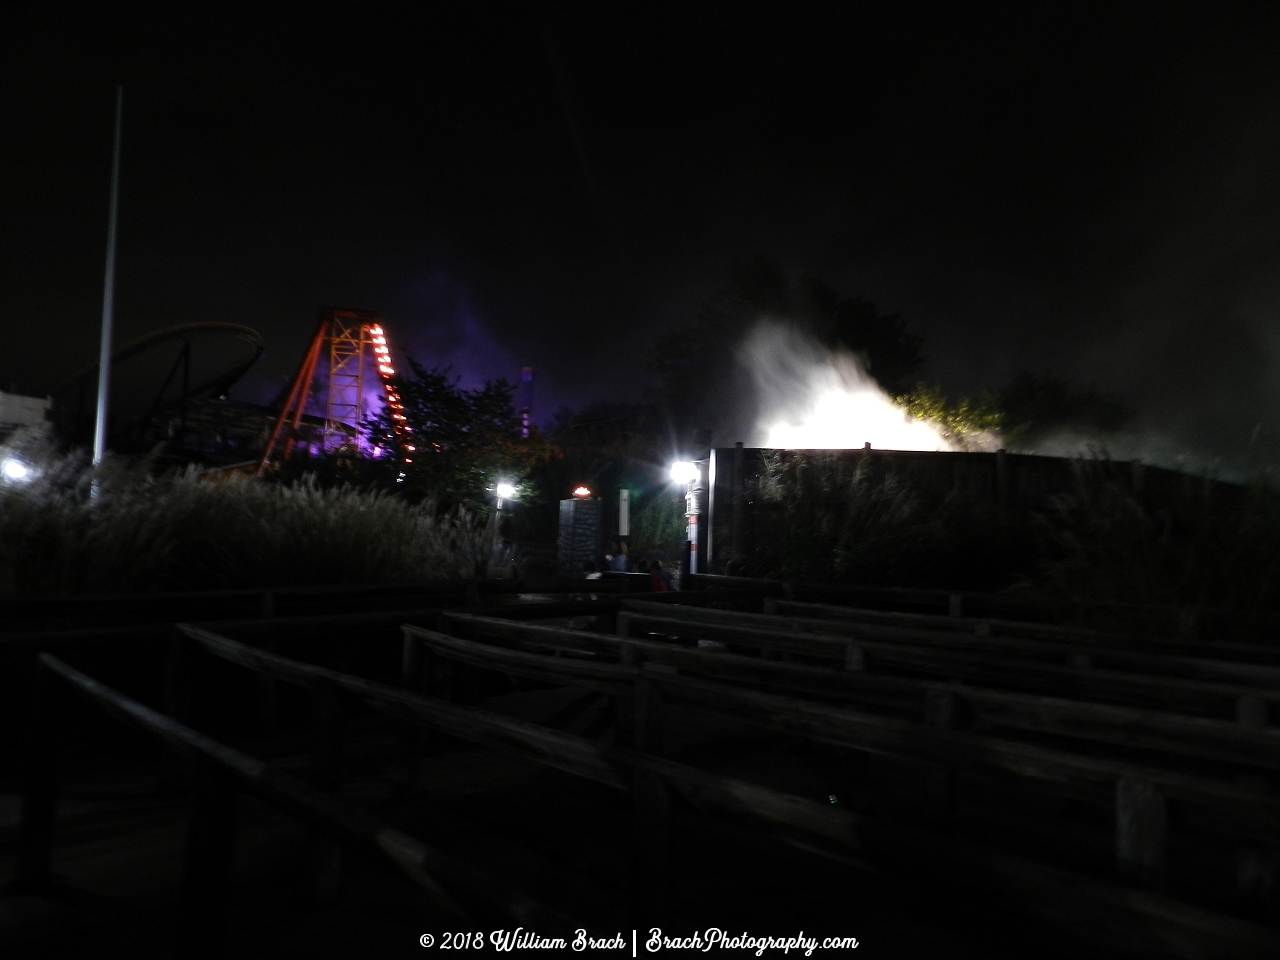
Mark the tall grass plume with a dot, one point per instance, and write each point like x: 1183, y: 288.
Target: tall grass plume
x: 69, y: 528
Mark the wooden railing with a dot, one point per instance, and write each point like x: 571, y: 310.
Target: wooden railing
x: 1250, y: 694
x: 218, y: 773
x: 1138, y: 791
x: 1018, y: 707
x: 1208, y: 623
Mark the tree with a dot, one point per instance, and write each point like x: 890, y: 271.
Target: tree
x: 968, y: 423
x: 696, y: 360
x: 465, y: 440
x: 1035, y: 406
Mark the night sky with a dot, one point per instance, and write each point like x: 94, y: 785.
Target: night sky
x: 1066, y: 188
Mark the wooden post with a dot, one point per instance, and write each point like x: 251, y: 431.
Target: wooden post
x: 627, y: 651
x: 853, y: 780
x: 1188, y: 624
x: 942, y: 711
x: 1255, y: 877
x: 1140, y: 831
x: 205, y: 894
x: 266, y: 684
x: 471, y: 594
x: 326, y: 734
x: 1251, y: 711
x: 411, y: 661
x: 652, y: 813
x: 40, y: 786
x: 179, y: 658
x: 416, y: 675
x: 736, y: 494
x: 854, y: 658
x: 1080, y: 661
x: 1002, y: 481
x: 177, y: 678
x: 325, y: 874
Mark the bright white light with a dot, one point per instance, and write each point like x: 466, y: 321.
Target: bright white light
x: 581, y: 492
x: 838, y: 418
x: 813, y: 398
x: 15, y: 470
x: 682, y: 471
x: 505, y: 490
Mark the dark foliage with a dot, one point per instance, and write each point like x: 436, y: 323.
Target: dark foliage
x: 696, y: 361
x: 1036, y: 406
x: 824, y: 517
x: 464, y: 441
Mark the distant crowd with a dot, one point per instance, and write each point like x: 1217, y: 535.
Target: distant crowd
x: 617, y: 560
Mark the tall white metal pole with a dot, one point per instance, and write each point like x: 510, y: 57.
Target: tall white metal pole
x: 108, y: 296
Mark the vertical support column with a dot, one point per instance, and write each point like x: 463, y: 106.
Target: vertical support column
x: 415, y: 676
x: 1256, y: 879
x: 177, y: 678
x: 652, y: 813
x: 266, y: 700
x: 1252, y: 711
x: 1188, y: 624
x: 1141, y: 831
x: 326, y: 770
x: 204, y: 897
x: 40, y: 783
x: 1002, y: 481
x: 627, y: 651
x: 942, y: 711
x: 736, y: 533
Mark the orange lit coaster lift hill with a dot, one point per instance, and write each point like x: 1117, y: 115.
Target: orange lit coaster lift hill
x: 350, y: 336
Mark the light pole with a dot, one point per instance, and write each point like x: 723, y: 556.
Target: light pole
x: 690, y: 474
x: 108, y: 296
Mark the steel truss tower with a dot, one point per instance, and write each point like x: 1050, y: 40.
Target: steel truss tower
x: 351, y: 337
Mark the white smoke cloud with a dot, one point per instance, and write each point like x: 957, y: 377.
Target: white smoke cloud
x: 810, y: 397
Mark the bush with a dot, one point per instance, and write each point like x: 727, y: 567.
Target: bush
x: 828, y: 517
x: 1208, y: 544
x: 71, y: 529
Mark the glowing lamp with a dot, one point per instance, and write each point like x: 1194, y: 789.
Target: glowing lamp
x: 682, y: 471
x: 15, y: 470
x: 505, y: 490
x: 581, y: 492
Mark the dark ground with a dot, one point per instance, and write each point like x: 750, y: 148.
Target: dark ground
x: 560, y: 838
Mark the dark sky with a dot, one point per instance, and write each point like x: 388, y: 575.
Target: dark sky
x: 1092, y: 190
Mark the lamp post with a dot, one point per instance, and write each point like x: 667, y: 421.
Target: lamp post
x: 690, y: 474
x: 108, y: 297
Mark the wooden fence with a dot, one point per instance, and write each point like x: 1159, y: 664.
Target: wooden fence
x: 1167, y: 742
